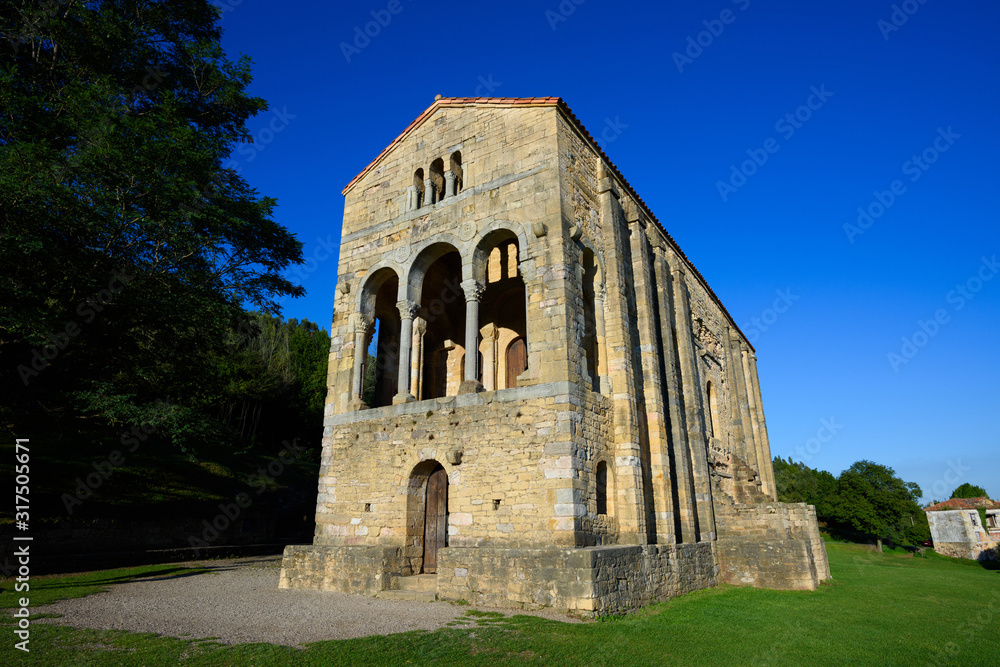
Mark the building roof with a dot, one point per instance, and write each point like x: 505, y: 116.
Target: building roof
x: 964, y: 504
x: 557, y: 102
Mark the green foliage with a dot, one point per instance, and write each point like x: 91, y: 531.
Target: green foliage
x: 273, y: 381
x: 866, y: 501
x: 969, y: 491
x: 368, y: 389
x: 127, y: 251
x: 798, y: 483
x: 871, y: 499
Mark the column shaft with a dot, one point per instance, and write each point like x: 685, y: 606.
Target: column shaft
x: 765, y: 482
x: 680, y: 464
x: 362, y: 323
x: 694, y: 410
x: 407, y: 310
x: 473, y: 291
x: 762, y: 424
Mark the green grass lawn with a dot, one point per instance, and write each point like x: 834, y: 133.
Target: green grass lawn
x: 881, y: 609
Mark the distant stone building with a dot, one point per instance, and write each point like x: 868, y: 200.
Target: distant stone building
x: 958, y: 530
x: 535, y: 398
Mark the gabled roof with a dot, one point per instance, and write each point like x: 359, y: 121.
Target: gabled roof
x: 557, y: 102
x: 964, y: 504
x: 453, y: 102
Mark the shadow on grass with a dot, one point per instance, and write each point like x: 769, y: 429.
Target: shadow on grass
x: 47, y: 590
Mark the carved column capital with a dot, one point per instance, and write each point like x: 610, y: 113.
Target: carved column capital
x: 473, y: 290
x: 361, y: 323
x: 407, y: 309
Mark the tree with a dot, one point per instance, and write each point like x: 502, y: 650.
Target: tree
x: 872, y: 500
x: 969, y: 491
x: 126, y: 249
x: 798, y: 483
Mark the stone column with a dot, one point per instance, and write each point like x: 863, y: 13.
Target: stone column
x: 473, y: 291
x: 694, y: 411
x: 407, y: 309
x: 762, y: 425
x: 362, y: 323
x: 601, y: 363
x: 450, y: 180
x: 653, y: 413
x: 743, y: 403
x: 683, y: 487
x: 417, y: 356
x: 430, y: 192
x: 412, y: 198
x: 624, y: 371
x: 737, y: 436
x: 491, y: 381
x: 762, y: 462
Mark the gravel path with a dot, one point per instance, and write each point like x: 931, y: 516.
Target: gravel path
x: 239, y: 602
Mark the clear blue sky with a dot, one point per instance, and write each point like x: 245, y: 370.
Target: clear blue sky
x: 912, y: 86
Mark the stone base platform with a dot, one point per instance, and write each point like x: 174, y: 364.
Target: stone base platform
x: 771, y: 545
x: 592, y: 580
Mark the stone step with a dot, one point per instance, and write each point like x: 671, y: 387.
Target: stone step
x: 423, y: 583
x: 419, y: 596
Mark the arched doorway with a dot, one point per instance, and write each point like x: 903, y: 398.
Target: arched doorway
x: 435, y: 517
x: 517, y: 361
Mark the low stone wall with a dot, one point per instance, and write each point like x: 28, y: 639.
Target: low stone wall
x: 974, y: 551
x: 771, y: 545
x: 594, y: 580
x: 358, y: 570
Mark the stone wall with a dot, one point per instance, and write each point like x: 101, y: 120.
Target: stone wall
x: 624, y: 338
x: 593, y: 581
x: 771, y: 545
x: 357, y: 570
x: 519, y: 461
x: 956, y: 533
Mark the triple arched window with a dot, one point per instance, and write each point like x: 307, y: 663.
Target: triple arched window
x: 437, y: 183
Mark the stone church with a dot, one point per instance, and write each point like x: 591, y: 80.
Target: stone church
x: 535, y: 398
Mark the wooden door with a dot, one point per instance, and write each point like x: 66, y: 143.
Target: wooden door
x: 517, y: 361
x: 435, y: 518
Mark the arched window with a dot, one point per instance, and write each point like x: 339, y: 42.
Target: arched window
x: 437, y: 182
x: 380, y: 367
x: 601, y: 479
x: 418, y: 185
x: 443, y: 308
x: 502, y: 310
x: 455, y: 167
